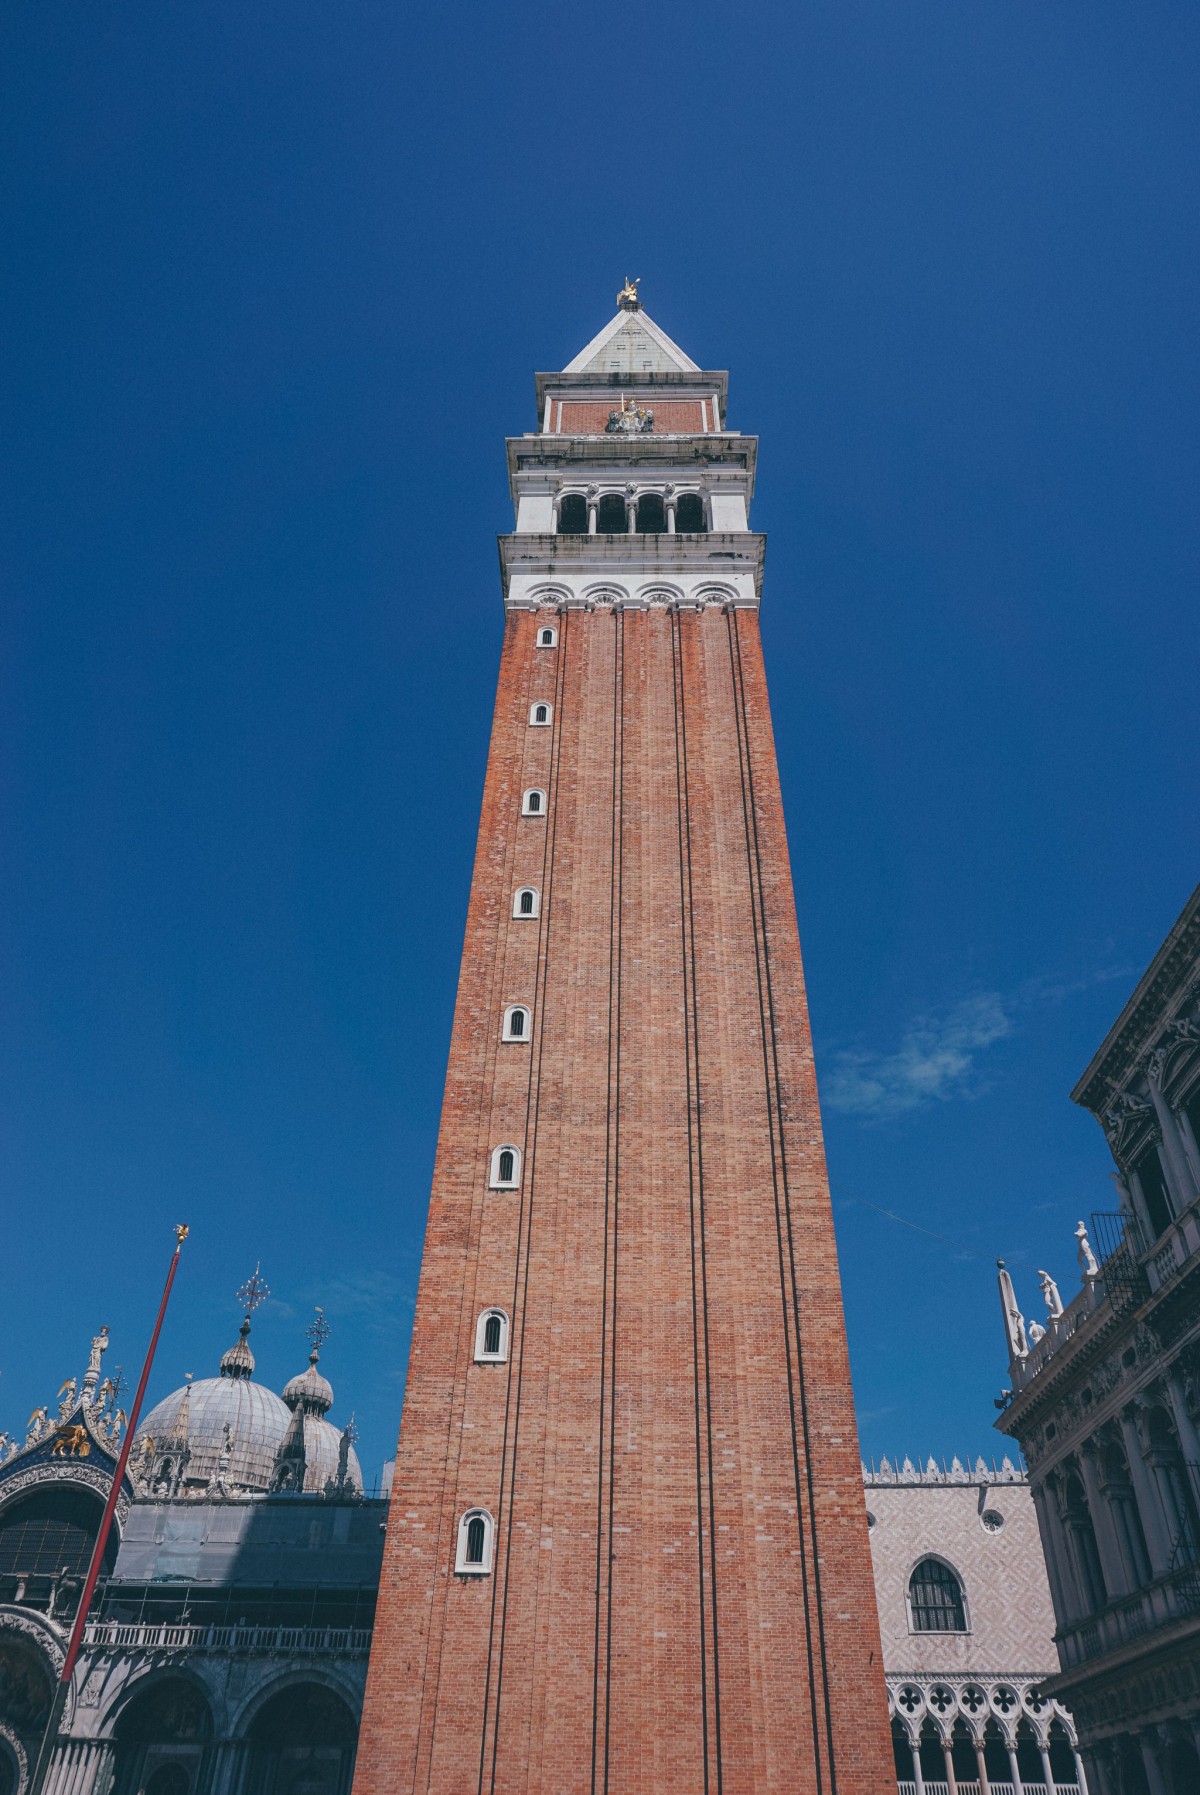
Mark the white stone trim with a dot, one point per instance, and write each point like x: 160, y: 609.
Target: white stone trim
x: 526, y: 915
x: 528, y: 807
x: 541, y: 714
x: 462, y: 1565
x: 526, y: 1014
x: 495, y: 1181
x: 482, y: 1355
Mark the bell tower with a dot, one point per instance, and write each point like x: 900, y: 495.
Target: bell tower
x: 627, y: 1545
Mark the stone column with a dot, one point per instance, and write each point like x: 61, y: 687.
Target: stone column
x: 1014, y: 1768
x: 1112, y: 1559
x: 1153, y: 1768
x: 593, y: 508
x: 915, y: 1748
x: 948, y: 1755
x: 1174, y: 1160
x: 1185, y: 1427
x: 669, y: 502
x: 1080, y: 1774
x: 1067, y: 1601
x: 985, y: 1788
x: 1154, y: 1524
x: 631, y: 512
x: 1047, y: 1773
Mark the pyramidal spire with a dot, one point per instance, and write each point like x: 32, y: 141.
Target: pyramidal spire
x: 631, y: 343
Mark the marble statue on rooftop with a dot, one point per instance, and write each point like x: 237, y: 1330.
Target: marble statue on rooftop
x: 1054, y: 1302
x: 1087, y: 1259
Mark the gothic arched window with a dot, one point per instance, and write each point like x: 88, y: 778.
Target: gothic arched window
x: 516, y: 1023
x: 525, y: 903
x: 491, y: 1337
x: 534, y: 802
x: 540, y: 715
x: 935, y: 1599
x: 473, y: 1557
x: 572, y: 514
x: 689, y: 514
x: 506, y: 1168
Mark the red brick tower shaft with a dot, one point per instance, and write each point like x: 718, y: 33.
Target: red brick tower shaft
x: 627, y: 1546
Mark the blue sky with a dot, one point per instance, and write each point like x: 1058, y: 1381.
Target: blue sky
x: 276, y: 279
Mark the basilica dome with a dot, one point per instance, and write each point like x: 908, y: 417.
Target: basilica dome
x: 221, y: 1433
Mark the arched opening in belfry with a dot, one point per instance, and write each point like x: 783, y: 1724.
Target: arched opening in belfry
x: 612, y: 519
x: 689, y: 514
x: 162, y: 1740
x: 572, y: 514
x: 651, y: 514
x: 302, y: 1743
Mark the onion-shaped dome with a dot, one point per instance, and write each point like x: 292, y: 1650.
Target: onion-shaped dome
x: 314, y: 1456
x: 220, y: 1434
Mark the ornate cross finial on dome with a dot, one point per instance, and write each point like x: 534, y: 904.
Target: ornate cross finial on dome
x: 627, y: 298
x: 254, y: 1292
x: 317, y: 1332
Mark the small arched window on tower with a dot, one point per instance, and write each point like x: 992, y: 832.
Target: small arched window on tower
x: 541, y: 715
x: 935, y: 1599
x: 506, y: 1168
x: 473, y: 1556
x: 689, y: 514
x: 526, y: 903
x: 651, y: 514
x: 612, y: 518
x: 516, y: 1023
x: 572, y: 514
x: 547, y: 636
x: 491, y: 1338
x: 533, y: 803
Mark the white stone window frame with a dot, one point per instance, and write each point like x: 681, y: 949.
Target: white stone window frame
x: 544, y: 630
x: 527, y: 806
x: 926, y: 1633
x: 506, y: 1027
x: 546, y: 722
x: 462, y: 1565
x: 482, y: 1355
x: 534, y: 910
x: 495, y: 1181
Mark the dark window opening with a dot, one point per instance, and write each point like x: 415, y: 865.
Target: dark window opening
x: 526, y: 904
x: 476, y: 1533
x: 516, y: 1024
x: 535, y: 803
x: 506, y: 1166
x: 689, y: 515
x: 1154, y: 1190
x: 937, y: 1599
x: 546, y: 638
x: 572, y: 515
x: 612, y: 518
x: 541, y: 713
x: 491, y: 1334
x: 651, y: 514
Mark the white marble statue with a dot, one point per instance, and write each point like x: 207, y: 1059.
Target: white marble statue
x: 1054, y: 1302
x: 1088, y: 1263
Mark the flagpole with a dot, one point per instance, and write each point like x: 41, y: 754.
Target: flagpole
x: 62, y: 1689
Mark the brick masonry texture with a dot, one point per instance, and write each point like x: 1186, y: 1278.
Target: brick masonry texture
x: 681, y: 1595
x: 588, y: 417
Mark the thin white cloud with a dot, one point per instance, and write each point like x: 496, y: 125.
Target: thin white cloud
x: 935, y: 1061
